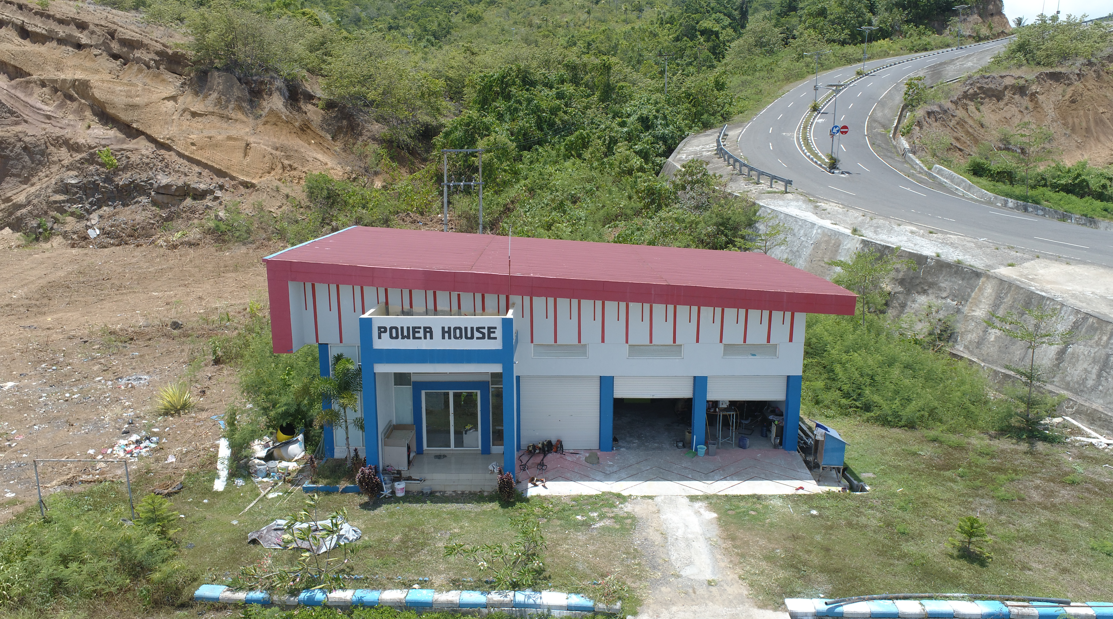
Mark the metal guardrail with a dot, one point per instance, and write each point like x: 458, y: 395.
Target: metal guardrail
x: 738, y: 165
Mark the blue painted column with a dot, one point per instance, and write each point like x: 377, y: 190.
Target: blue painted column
x: 510, y: 421
x: 326, y: 371
x: 370, y: 399
x: 606, y: 413
x: 792, y: 412
x: 699, y: 410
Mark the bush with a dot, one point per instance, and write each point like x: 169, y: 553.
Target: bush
x: 1051, y: 41
x: 154, y: 513
x: 247, y: 45
x: 871, y: 372
x: 174, y: 399
x: 84, y: 549
x: 108, y: 159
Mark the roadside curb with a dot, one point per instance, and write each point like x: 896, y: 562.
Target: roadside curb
x: 945, y: 609
x: 516, y: 603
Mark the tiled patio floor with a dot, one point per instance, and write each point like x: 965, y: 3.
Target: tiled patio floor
x: 672, y: 472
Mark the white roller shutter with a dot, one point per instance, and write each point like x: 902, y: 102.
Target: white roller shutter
x: 561, y: 407
x: 652, y: 386
x: 746, y: 387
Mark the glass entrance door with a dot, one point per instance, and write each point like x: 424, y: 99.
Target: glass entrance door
x: 451, y: 419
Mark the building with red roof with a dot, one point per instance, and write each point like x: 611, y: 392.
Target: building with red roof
x: 485, y: 344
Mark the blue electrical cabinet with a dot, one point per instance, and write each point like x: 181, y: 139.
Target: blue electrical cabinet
x: 832, y: 447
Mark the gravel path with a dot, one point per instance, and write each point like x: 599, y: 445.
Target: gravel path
x: 690, y: 574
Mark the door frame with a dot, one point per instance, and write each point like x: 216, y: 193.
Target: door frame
x: 484, y: 389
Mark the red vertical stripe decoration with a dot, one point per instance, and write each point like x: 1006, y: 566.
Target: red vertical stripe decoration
x: 674, y: 321
x: 305, y: 296
x: 569, y: 308
x: 474, y: 305
x: 782, y: 318
x: 791, y: 326
x: 643, y: 311
x: 554, y: 320
x: 546, y: 308
x: 362, y: 301
x: 666, y: 313
x: 689, y: 313
x: 329, y: 289
x: 377, y: 301
x: 483, y: 300
x: 603, y: 325
x: 459, y: 303
x: 316, y: 335
x: 650, y: 324
x: 627, y: 323
x: 736, y: 313
x: 339, y: 318
x: 769, y: 333
x: 746, y: 327
x: 411, y: 300
x: 722, y: 321
x: 530, y: 319
x: 435, y: 310
x: 579, y: 321
x: 593, y: 312
x: 699, y: 315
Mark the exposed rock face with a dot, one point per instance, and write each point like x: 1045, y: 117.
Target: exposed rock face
x: 1076, y: 104
x: 75, y: 79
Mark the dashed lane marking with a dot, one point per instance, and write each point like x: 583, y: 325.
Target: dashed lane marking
x: 1059, y: 242
x: 1012, y: 216
x: 913, y: 191
x: 842, y: 190
x: 779, y: 117
x: 782, y: 163
x: 863, y: 167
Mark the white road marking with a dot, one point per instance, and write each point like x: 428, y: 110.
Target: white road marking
x: 1060, y: 242
x: 843, y: 118
x: 859, y: 93
x: 842, y: 147
x: 803, y: 93
x: 947, y: 218
x: 1013, y: 216
x: 779, y: 117
x: 770, y: 130
x: 770, y: 146
x: 842, y: 190
x: 782, y: 163
x: 913, y: 191
x: 851, y: 105
x: 790, y: 104
x: 863, y: 167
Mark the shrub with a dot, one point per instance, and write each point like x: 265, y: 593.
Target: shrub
x: 369, y: 482
x: 154, y: 513
x: 972, y: 540
x: 174, y: 399
x: 108, y: 159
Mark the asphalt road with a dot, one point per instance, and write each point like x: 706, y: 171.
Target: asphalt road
x: 876, y: 180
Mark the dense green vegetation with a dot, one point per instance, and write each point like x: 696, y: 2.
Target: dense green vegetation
x: 568, y: 98
x: 1080, y: 188
x: 1051, y: 41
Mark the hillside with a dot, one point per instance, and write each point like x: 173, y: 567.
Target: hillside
x: 75, y: 79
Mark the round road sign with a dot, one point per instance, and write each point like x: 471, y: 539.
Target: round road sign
x: 844, y: 129
x: 835, y: 130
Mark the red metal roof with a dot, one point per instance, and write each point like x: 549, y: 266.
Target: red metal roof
x: 428, y: 260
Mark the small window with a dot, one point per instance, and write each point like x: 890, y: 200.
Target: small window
x: 655, y: 351
x: 402, y: 379
x: 560, y: 351
x: 750, y: 351
x: 496, y: 379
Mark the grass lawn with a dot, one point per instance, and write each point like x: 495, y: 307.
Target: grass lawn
x: 1047, y: 514
x: 403, y: 540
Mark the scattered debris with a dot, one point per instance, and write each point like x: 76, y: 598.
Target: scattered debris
x: 6, y: 386
x: 169, y: 488
x: 222, y: 457
x: 134, y: 446
x: 271, y: 536
x: 135, y: 380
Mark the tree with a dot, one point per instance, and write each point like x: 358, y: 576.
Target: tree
x: 1027, y: 147
x: 867, y: 274
x: 972, y: 540
x: 768, y: 235
x: 341, y: 389
x: 1034, y: 327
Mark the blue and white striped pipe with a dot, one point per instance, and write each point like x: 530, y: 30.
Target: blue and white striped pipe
x: 510, y: 602
x: 945, y: 609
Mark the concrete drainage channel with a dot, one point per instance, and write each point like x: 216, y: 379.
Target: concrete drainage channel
x: 516, y: 603
x: 946, y: 609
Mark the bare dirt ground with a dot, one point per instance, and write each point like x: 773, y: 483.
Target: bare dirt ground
x: 1074, y: 103
x: 80, y: 328
x: 691, y: 571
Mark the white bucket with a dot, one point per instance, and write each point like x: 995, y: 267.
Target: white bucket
x: 399, y: 488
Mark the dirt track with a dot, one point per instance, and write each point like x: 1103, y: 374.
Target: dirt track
x: 75, y: 321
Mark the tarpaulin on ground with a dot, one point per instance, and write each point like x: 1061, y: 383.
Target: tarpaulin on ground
x: 320, y: 540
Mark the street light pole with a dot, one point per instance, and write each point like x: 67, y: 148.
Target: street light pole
x: 867, y: 30
x: 960, y: 8
x: 816, y: 55
x: 836, y: 89
x: 666, y: 57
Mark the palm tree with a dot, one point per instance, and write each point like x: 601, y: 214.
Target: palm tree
x: 341, y: 389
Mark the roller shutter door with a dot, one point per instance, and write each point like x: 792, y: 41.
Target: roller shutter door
x: 746, y: 387
x: 564, y: 407
x: 652, y: 386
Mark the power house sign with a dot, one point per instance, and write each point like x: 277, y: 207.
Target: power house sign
x: 455, y: 332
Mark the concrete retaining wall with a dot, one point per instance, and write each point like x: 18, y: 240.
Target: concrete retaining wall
x: 1083, y: 371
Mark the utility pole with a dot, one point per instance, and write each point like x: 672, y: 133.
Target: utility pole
x: 816, y: 55
x: 666, y: 57
x: 867, y: 30
x: 960, y: 8
x: 463, y: 182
